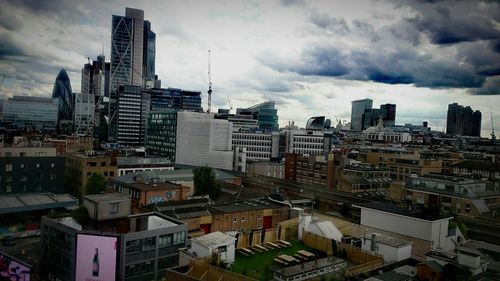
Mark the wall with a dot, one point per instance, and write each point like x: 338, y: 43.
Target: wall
x: 413, y: 227
x: 103, y: 209
x: 390, y: 253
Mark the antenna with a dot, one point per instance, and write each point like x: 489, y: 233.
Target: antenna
x: 229, y: 103
x: 209, y: 85
x: 492, y: 127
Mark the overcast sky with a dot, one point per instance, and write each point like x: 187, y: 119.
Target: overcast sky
x: 311, y: 57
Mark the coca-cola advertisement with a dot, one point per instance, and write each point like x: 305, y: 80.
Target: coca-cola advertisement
x: 96, y: 257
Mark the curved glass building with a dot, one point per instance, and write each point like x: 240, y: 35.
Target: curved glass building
x: 62, y: 91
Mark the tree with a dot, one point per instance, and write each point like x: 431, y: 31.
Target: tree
x: 81, y: 215
x: 205, y: 183
x: 95, y: 184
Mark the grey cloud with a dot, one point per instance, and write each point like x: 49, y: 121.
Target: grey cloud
x: 334, y: 24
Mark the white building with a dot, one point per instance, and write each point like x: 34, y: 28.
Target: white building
x: 203, y: 140
x: 128, y: 165
x: 380, y: 133
x: 307, y: 142
x: 254, y: 147
x: 392, y: 249
x: 215, y: 242
x: 394, y: 219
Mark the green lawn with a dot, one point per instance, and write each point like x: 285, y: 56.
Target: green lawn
x: 257, y: 266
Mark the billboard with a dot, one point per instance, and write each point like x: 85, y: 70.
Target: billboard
x: 13, y: 270
x: 96, y: 257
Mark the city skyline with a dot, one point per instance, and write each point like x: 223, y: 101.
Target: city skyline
x: 312, y: 58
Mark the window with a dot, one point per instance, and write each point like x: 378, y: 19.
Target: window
x: 242, y: 218
x: 165, y: 241
x: 8, y: 167
x: 8, y: 154
x: 133, y: 246
x: 24, y: 179
x: 21, y: 165
x: 52, y: 165
x: 148, y: 244
x: 52, y: 177
x: 22, y: 154
x: 259, y: 217
x: 8, y: 178
x: 179, y: 238
x: 114, y: 208
x: 235, y: 220
x: 8, y: 188
x: 38, y: 165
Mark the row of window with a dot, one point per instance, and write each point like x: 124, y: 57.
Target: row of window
x: 149, y: 244
x: 9, y: 167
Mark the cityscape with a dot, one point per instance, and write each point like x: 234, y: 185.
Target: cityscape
x: 249, y: 140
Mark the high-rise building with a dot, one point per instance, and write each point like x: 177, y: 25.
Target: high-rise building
x: 132, y: 58
x: 62, y: 91
x: 388, y: 114
x: 161, y: 132
x: 132, y: 108
x: 95, y: 88
x: 31, y: 112
x: 370, y: 118
x: 149, y: 54
x: 476, y: 123
x: 357, y: 110
x: 84, y: 114
x: 265, y: 113
x: 462, y: 120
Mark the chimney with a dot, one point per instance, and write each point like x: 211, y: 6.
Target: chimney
x: 373, y: 247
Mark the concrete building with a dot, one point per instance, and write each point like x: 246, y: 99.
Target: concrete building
x: 31, y: 168
x: 146, y: 245
x: 265, y: 113
x: 31, y: 112
x: 315, y: 170
x: 388, y: 114
x: 426, y: 226
x: 268, y: 169
x: 478, y: 169
x: 462, y: 120
x: 310, y: 269
x: 357, y: 110
x: 362, y: 177
x: 202, y: 140
x: 303, y: 142
x: 392, y: 249
x: 465, y: 197
x: 467, y: 258
x: 214, y: 243
x: 79, y: 167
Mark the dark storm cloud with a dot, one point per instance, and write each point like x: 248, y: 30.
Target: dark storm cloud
x: 8, y: 48
x: 449, y: 22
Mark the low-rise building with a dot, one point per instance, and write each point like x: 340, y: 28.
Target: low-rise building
x: 391, y: 248
x: 478, y: 169
x: 268, y: 169
x: 127, y: 165
x: 214, y: 243
x: 309, y: 269
x: 315, y: 170
x: 80, y: 166
x: 361, y: 177
x: 127, y: 247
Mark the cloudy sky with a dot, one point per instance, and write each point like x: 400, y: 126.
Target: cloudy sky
x: 311, y: 57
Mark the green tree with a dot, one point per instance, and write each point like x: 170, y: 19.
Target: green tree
x: 95, y: 184
x: 205, y: 183
x: 81, y: 215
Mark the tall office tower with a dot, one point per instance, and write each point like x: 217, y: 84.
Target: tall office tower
x: 467, y: 119
x: 370, y: 118
x: 388, y: 114
x: 95, y: 89
x: 161, y: 133
x: 62, y: 91
x: 454, y: 119
x: 357, y: 110
x: 476, y: 123
x: 132, y: 111
x: 127, y: 33
x: 149, y: 54
x: 265, y: 113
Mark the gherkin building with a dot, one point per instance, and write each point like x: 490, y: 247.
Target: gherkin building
x: 62, y: 91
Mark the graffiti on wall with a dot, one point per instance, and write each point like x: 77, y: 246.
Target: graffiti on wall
x: 162, y: 198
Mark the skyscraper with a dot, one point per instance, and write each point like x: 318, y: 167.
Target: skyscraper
x: 265, y: 113
x: 132, y: 58
x: 149, y: 54
x: 462, y: 120
x: 476, y: 123
x: 131, y: 118
x: 388, y: 114
x: 357, y: 110
x: 62, y: 91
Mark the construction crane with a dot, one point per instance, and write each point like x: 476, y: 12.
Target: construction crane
x: 493, y: 137
x: 209, y: 92
x: 229, y: 103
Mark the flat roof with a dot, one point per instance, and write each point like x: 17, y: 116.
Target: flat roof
x: 214, y: 239
x: 396, y: 209
x: 138, y: 161
x: 107, y: 197
x: 31, y: 202
x: 388, y: 240
x: 248, y: 205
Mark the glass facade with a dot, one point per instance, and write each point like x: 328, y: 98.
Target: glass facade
x: 132, y: 111
x: 265, y: 113
x: 161, y: 133
x: 62, y: 91
x: 357, y: 110
x: 172, y: 98
x: 149, y: 54
x: 34, y: 112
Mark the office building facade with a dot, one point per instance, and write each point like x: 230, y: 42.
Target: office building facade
x: 31, y: 112
x: 149, y: 55
x: 265, y: 113
x: 161, y: 133
x: 463, y: 121
x: 357, y: 110
x: 84, y: 114
x: 173, y: 98
x: 388, y: 114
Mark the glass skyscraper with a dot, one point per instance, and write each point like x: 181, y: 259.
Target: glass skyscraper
x: 175, y: 99
x: 149, y: 54
x: 357, y: 110
x: 62, y: 91
x: 265, y: 113
x: 31, y: 112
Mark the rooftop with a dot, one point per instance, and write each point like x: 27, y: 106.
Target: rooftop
x: 248, y: 205
x: 214, y: 239
x: 138, y: 161
x: 107, y: 197
x: 31, y: 202
x: 396, y: 209
x: 388, y: 240
x: 478, y: 165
